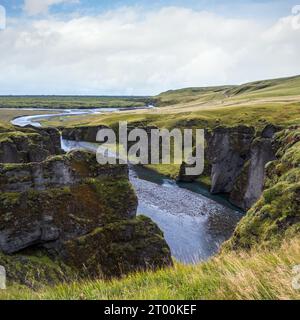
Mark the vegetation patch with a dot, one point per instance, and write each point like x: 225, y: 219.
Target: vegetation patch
x: 253, y: 275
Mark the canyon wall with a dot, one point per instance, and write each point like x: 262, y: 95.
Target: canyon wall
x: 235, y: 159
x: 275, y: 217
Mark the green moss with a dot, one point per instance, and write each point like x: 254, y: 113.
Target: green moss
x: 10, y: 198
x: 35, y: 271
x: 114, y: 193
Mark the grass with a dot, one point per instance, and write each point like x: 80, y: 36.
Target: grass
x: 243, y: 275
x: 284, y: 114
x: 205, y: 180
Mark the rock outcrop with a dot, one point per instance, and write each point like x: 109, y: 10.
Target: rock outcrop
x: 55, y: 172
x: 118, y: 248
x: 79, y: 214
x: 60, y: 198
x: 28, y: 145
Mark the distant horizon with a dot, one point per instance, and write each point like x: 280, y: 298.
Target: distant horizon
x: 144, y: 96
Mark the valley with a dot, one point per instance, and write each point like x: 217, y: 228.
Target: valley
x: 252, y: 163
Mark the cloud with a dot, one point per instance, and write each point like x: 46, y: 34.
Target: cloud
x: 34, y: 7
x: 130, y: 51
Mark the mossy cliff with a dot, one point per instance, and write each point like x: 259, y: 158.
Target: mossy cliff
x: 61, y: 212
x: 28, y: 144
x: 276, y: 215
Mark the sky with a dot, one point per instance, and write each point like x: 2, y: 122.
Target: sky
x: 89, y: 47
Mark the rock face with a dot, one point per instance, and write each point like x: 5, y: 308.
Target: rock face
x: 276, y: 215
x: 228, y: 150
x: 29, y: 145
x: 78, y: 213
x: 235, y: 158
x: 250, y: 183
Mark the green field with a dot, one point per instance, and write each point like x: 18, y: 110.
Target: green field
x: 71, y: 102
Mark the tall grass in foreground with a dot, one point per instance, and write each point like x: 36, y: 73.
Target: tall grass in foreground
x: 254, y: 275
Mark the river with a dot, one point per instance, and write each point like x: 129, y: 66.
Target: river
x: 194, y: 222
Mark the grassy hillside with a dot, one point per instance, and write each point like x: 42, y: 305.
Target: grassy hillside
x: 204, y: 94
x: 252, y: 275
x: 226, y: 95
x: 268, y: 88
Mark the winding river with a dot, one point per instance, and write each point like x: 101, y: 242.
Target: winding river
x: 194, y: 222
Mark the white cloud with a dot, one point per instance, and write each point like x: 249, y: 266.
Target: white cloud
x: 34, y: 7
x: 129, y: 51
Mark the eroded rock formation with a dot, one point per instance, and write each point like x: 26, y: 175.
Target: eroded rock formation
x: 79, y: 214
x: 60, y: 198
